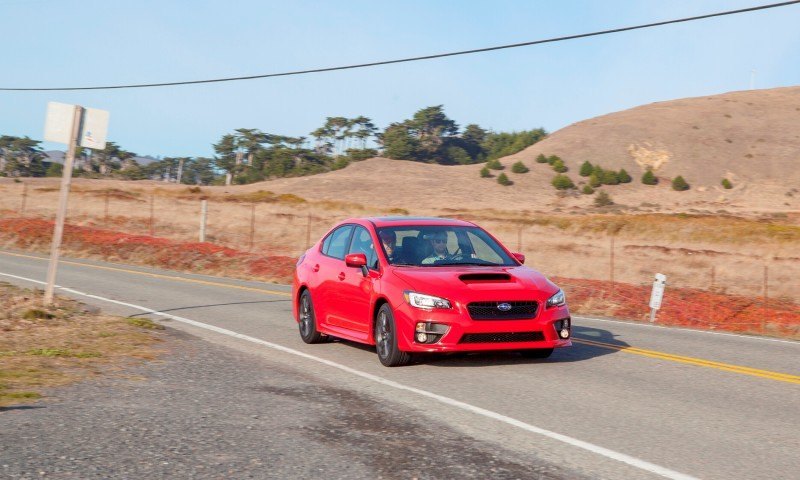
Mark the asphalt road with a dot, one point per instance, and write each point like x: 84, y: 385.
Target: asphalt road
x: 627, y: 401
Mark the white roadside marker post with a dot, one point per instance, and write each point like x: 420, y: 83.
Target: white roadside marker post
x: 72, y: 125
x: 657, y: 295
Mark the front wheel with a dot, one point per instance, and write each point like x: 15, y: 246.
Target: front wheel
x: 308, y: 321
x: 386, y: 339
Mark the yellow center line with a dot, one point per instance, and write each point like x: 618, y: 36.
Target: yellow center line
x: 781, y: 377
x: 158, y: 275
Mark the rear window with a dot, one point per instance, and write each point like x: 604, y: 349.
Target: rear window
x: 335, y: 245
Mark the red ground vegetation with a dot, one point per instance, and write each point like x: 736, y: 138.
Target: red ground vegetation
x: 681, y: 306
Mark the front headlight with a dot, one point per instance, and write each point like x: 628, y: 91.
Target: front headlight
x: 426, y: 302
x: 557, y: 300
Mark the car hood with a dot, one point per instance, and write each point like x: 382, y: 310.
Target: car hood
x: 468, y: 283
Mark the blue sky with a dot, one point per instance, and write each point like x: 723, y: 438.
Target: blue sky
x: 98, y: 42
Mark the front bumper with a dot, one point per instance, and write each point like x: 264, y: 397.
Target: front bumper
x: 467, y: 335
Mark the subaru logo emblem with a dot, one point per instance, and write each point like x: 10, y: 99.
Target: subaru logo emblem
x: 504, y: 307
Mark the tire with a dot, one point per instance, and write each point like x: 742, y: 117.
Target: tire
x: 307, y: 320
x: 386, y: 339
x: 537, y: 353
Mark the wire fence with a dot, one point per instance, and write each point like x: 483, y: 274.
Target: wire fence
x: 605, y: 272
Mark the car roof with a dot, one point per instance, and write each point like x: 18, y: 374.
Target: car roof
x: 402, y: 221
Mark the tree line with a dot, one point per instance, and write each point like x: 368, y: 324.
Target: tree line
x: 249, y: 155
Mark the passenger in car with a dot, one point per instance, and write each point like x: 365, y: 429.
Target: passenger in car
x: 439, y: 243
x: 389, y: 241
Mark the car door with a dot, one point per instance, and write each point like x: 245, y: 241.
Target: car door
x: 326, y: 269
x: 355, y: 290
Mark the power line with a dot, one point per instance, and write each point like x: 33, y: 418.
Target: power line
x: 414, y: 59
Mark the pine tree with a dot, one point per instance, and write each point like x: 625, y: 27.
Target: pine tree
x: 562, y: 182
x: 541, y: 158
x: 648, y: 178
x: 485, y: 172
x: 588, y: 190
x: 559, y: 166
x: 623, y: 176
x: 519, y: 167
x: 679, y: 184
x: 502, y: 179
x: 586, y: 169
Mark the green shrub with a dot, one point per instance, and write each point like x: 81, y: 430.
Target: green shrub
x: 552, y: 159
x: 485, y: 173
x: 495, y: 164
x: 594, y: 181
x: 562, y: 182
x: 679, y: 184
x: 587, y: 190
x: 648, y: 178
x: 726, y: 184
x: 519, y: 167
x: 503, y: 180
x: 609, y: 177
x: 559, y: 166
x: 541, y: 158
x: 586, y: 169
x: 54, y: 170
x: 623, y: 176
x: 603, y: 199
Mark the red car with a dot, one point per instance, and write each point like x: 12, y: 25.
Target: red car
x: 407, y: 285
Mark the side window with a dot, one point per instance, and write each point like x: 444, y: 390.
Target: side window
x: 336, y: 243
x: 362, y: 243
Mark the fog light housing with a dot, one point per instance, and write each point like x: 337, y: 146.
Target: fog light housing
x: 562, y: 328
x: 429, y: 332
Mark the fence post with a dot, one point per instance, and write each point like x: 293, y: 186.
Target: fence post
x: 308, y: 231
x: 611, y: 266
x: 152, y: 201
x: 766, y: 299
x: 105, y: 211
x: 203, y: 218
x: 24, y: 198
x: 252, y: 225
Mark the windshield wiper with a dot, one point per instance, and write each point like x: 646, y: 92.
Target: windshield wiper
x: 473, y: 262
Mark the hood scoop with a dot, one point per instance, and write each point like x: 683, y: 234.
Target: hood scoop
x: 485, y: 278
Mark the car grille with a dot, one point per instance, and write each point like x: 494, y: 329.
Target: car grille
x: 489, y: 310
x: 502, y: 337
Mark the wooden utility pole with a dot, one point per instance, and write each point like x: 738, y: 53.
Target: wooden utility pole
x: 180, y: 170
x: 61, y: 212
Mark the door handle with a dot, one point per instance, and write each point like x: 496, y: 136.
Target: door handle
x: 341, y: 276
x: 316, y: 268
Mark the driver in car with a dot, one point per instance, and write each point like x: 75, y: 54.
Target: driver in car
x: 439, y: 243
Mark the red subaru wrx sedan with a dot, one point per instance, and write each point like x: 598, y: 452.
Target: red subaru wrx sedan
x: 410, y: 284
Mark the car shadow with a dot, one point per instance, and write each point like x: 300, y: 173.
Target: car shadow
x: 192, y: 307
x: 578, y: 352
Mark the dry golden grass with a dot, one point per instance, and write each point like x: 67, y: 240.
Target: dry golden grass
x: 48, y: 347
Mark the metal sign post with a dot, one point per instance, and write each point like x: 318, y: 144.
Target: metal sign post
x: 73, y: 125
x: 657, y: 295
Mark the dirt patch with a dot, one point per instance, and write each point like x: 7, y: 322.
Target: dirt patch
x: 61, y: 344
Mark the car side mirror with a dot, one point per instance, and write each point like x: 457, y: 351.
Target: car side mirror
x: 520, y: 257
x: 357, y: 260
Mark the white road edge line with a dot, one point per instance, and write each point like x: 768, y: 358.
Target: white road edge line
x: 620, y: 457
x: 687, y: 330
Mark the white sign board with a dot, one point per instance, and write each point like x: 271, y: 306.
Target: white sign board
x: 58, y: 122
x: 658, y: 291
x: 58, y: 125
x: 94, y: 129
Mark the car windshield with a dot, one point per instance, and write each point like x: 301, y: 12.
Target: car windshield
x: 434, y: 246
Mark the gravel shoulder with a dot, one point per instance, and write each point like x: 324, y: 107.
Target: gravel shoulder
x: 207, y: 411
